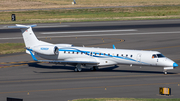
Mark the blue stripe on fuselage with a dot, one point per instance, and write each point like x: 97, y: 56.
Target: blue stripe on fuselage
x: 93, y: 54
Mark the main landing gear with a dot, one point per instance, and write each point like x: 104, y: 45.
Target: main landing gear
x: 94, y: 68
x: 78, y: 68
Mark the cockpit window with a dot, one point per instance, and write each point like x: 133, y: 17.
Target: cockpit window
x: 154, y: 56
x: 160, y: 56
x: 157, y: 56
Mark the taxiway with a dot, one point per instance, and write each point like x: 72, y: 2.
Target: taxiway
x: 20, y: 77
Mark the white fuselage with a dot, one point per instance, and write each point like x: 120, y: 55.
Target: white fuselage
x: 89, y: 57
x: 107, y: 56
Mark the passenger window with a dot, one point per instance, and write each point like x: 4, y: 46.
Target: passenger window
x: 131, y: 55
x: 126, y: 55
x: 121, y: 54
x: 64, y: 51
x: 117, y: 54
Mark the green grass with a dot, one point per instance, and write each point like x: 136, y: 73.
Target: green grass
x: 8, y: 48
x: 100, y: 14
x: 125, y: 99
x: 34, y: 4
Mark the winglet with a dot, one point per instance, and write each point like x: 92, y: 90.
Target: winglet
x: 34, y: 58
x: 114, y: 47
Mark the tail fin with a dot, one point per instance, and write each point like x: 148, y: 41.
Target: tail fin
x: 29, y: 37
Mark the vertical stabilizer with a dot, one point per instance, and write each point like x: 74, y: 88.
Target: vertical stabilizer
x: 29, y: 37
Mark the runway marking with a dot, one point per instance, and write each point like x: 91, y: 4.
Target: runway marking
x: 18, y: 62
x: 175, y: 32
x: 13, y: 55
x: 88, y: 88
x: 112, y: 34
x: 15, y: 64
x: 119, y: 41
x: 123, y: 22
x: 106, y: 43
x: 11, y: 38
x: 95, y: 31
x: 163, y: 47
x: 86, y: 78
x: 40, y: 26
x: 176, y: 59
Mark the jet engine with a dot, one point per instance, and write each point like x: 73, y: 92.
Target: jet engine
x: 46, y: 49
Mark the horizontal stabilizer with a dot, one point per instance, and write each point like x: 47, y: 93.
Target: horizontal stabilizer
x: 22, y: 26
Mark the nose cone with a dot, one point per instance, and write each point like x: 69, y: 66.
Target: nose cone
x: 175, y: 64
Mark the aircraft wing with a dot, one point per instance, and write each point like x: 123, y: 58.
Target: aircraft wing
x: 69, y: 62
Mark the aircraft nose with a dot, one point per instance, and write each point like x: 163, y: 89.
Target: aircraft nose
x: 175, y: 64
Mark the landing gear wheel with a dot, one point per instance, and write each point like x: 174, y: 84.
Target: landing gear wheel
x: 77, y: 69
x: 94, y: 68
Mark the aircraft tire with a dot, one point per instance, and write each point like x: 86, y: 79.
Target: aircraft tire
x: 77, y: 69
x: 94, y: 68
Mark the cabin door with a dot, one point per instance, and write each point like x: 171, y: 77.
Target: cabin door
x: 139, y: 57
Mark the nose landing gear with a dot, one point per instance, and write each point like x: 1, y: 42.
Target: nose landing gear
x: 167, y: 68
x: 165, y: 71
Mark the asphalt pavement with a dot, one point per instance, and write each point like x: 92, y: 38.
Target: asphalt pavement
x: 21, y: 77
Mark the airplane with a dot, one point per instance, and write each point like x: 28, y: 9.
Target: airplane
x: 89, y: 57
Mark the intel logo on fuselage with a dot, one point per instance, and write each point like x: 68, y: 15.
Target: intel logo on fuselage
x: 44, y: 48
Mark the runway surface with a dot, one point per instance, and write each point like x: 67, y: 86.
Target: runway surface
x: 20, y: 77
